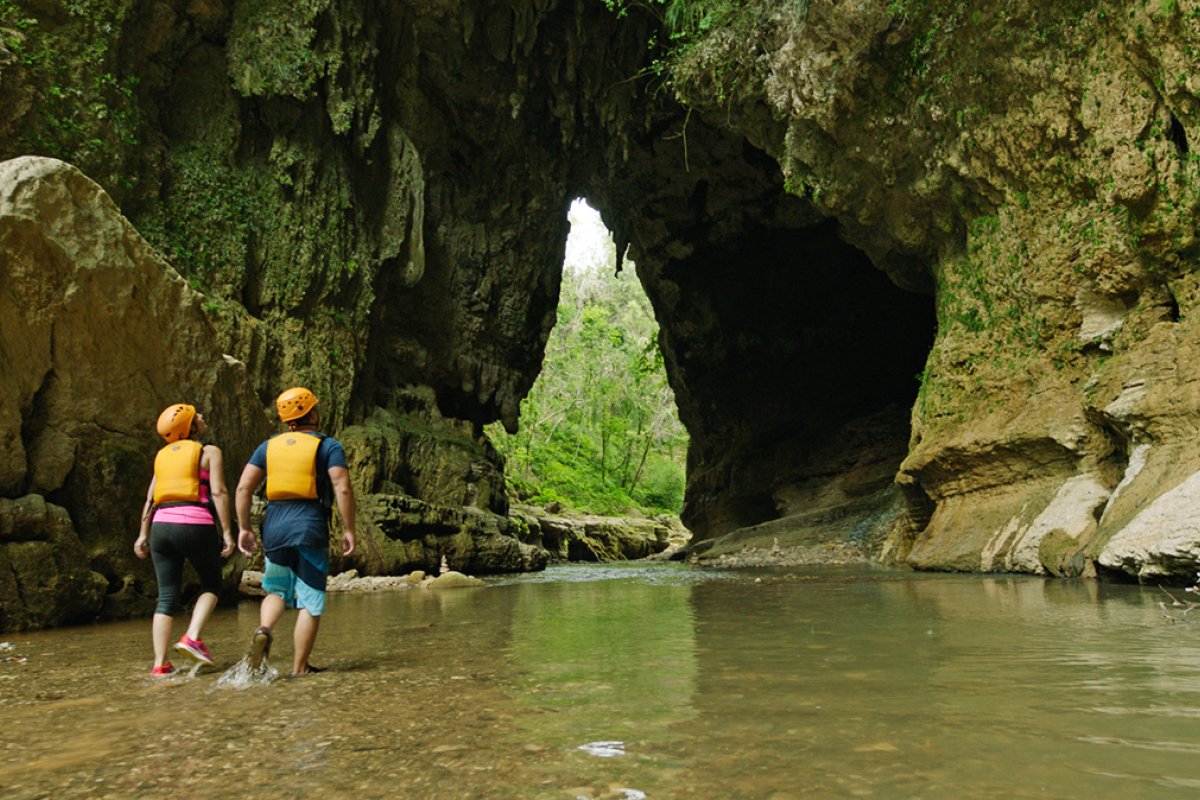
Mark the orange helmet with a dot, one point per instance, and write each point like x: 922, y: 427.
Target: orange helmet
x: 295, y: 403
x: 175, y: 422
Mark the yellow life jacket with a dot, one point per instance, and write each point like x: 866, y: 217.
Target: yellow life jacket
x: 292, y: 466
x: 177, y: 472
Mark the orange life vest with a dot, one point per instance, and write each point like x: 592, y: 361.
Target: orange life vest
x: 292, y: 466
x: 177, y: 472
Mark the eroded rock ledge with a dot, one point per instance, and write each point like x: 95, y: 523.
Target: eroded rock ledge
x: 591, y: 538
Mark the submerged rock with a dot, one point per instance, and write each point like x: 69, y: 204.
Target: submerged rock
x: 453, y: 580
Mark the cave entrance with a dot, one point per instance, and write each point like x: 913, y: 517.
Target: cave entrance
x: 799, y: 364
x: 599, y: 430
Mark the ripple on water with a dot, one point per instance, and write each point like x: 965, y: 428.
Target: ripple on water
x: 642, y: 572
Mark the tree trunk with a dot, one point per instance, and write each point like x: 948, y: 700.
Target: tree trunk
x: 637, y: 476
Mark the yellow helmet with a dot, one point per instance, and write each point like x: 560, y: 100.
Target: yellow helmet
x: 175, y: 422
x: 295, y: 403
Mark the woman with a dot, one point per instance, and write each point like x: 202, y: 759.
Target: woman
x: 178, y: 524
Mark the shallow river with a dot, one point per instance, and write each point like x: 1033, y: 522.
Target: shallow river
x: 631, y: 681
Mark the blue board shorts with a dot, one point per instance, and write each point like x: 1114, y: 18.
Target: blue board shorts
x: 297, y: 574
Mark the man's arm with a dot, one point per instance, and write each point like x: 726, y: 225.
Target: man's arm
x: 343, y: 492
x: 252, y: 476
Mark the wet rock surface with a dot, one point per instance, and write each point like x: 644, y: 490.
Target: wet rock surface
x: 45, y: 575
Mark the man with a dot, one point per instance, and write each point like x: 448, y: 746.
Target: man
x: 305, y: 470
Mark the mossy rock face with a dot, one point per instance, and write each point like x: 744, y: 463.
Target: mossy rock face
x: 398, y: 534
x: 1052, y: 218
x: 414, y: 450
x: 591, y: 538
x: 248, y: 143
x: 344, y: 207
x: 99, y: 335
x: 110, y: 477
x: 1060, y: 555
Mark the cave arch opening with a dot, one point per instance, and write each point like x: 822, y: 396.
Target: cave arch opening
x: 797, y: 362
x: 599, y: 430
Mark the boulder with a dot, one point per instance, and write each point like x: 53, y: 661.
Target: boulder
x: 98, y: 335
x: 45, y: 576
x: 399, y: 534
x: 454, y: 580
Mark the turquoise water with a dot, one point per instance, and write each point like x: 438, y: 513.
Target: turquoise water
x: 630, y: 681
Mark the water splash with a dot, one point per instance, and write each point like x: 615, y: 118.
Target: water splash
x: 624, y: 792
x: 603, y: 749
x: 242, y: 676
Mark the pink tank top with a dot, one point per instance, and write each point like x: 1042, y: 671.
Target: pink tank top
x: 188, y: 514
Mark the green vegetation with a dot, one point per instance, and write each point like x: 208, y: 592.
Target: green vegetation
x: 214, y: 209
x: 986, y: 290
x: 85, y: 110
x: 599, y: 431
x: 687, y: 26
x: 292, y: 64
x: 688, y: 20
x: 711, y: 49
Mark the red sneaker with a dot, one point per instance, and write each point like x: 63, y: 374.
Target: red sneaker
x: 194, y: 648
x: 162, y: 670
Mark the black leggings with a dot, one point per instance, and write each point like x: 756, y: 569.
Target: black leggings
x: 170, y: 544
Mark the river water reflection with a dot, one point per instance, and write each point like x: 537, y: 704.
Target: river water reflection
x: 627, y: 681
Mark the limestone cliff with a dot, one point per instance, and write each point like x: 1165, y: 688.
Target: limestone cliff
x: 1030, y: 163
x: 925, y: 273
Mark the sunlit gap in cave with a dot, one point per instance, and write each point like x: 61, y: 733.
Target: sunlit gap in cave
x: 599, y: 431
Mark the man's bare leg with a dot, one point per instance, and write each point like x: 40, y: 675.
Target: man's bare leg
x: 303, y: 638
x: 270, y: 612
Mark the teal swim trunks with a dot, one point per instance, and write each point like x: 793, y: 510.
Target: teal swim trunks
x: 298, y: 574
